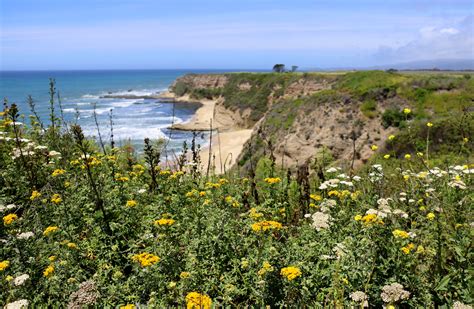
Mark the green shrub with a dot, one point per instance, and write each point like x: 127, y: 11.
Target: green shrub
x: 393, y: 118
x: 369, y: 108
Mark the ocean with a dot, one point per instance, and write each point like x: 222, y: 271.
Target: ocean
x: 133, y: 118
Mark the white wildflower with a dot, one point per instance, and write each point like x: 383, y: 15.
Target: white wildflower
x: 331, y: 170
x: 360, y: 297
x: 458, y: 305
x: 400, y: 213
x: 19, y: 304
x: 20, y: 280
x: 393, y: 293
x: 347, y: 183
x: 25, y: 235
x: 457, y: 184
x: 320, y: 220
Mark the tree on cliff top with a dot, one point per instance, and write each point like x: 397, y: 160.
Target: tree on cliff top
x: 279, y: 68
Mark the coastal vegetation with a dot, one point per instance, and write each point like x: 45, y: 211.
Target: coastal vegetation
x: 87, y: 224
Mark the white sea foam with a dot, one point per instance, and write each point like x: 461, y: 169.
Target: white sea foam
x: 90, y: 96
x: 138, y: 92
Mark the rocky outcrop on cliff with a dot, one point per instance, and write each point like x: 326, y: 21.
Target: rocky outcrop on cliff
x: 202, y: 81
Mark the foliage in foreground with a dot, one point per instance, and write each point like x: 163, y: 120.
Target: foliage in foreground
x: 81, y: 227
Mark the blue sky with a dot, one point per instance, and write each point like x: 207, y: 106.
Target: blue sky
x: 128, y: 34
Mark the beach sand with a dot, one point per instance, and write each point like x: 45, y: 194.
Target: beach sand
x: 225, y: 148
x: 227, y: 144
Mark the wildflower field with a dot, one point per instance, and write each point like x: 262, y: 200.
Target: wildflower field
x: 84, y: 225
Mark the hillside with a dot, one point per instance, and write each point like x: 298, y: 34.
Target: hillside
x: 90, y: 225
x: 299, y: 116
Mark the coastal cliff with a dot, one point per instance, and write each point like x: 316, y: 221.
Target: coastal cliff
x: 299, y: 118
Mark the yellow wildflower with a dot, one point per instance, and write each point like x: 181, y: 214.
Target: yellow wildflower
x: 254, y: 214
x: 369, y: 219
x: 465, y: 140
x: 408, y: 156
x: 357, y: 217
x: 290, y: 272
x: 232, y: 201
x: 400, y: 234
x: 121, y: 178
x: 429, y: 124
x: 406, y: 177
x: 195, y: 300
x: 52, y: 258
x: 271, y: 180
x: 93, y: 161
x: 128, y: 306
x: 223, y: 181
x: 71, y: 245
x: 34, y: 195
x: 184, y: 275
x: 406, y: 111
x: 9, y: 278
x: 50, y: 229
x: 391, y: 137
x: 387, y: 156
x: 420, y: 154
x: 4, y: 265
x: 192, y: 193
x: 202, y: 193
x: 333, y: 193
x: 266, y: 267
x: 146, y: 259
x: 210, y: 185
x: 165, y: 173
x: 316, y: 197
x: 131, y: 203
x: 266, y: 225
x: 420, y: 249
x: 8, y: 219
x: 374, y: 147
x: 58, y: 172
x: 407, y: 249
x: 56, y: 199
x: 48, y: 271
x: 430, y: 216
x: 164, y: 221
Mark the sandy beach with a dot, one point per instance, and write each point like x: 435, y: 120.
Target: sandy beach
x: 227, y: 144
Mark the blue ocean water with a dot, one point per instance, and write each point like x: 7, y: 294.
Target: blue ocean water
x: 133, y: 119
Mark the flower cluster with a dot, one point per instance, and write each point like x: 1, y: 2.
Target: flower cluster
x: 290, y: 272
x: 146, y: 259
x: 266, y: 225
x: 195, y: 300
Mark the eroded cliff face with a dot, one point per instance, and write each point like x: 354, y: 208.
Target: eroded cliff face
x: 287, y: 122
x: 336, y: 126
x: 295, y: 116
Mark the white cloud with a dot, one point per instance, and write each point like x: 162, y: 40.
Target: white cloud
x: 454, y: 41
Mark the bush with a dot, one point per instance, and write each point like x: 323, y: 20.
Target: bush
x: 393, y: 118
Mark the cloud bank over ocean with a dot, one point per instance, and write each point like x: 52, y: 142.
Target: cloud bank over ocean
x: 454, y: 41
